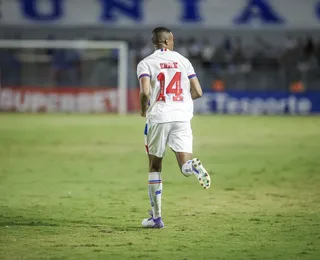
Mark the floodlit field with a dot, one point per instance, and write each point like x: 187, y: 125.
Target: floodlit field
x: 75, y: 187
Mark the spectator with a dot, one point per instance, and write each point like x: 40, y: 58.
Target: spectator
x: 137, y: 44
x: 239, y: 59
x: 227, y: 45
x: 207, y: 53
x: 308, y: 60
x: 182, y: 48
x: 194, y: 49
x: 146, y: 50
x: 237, y: 53
x: 309, y: 47
x: 290, y: 43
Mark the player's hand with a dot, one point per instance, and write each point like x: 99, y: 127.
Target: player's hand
x: 143, y: 113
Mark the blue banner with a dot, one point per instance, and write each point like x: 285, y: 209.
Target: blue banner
x: 132, y: 13
x: 259, y: 103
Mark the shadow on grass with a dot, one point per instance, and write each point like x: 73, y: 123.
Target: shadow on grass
x: 115, y: 229
x: 101, y: 227
x: 25, y: 222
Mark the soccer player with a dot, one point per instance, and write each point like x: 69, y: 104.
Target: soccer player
x: 168, y: 86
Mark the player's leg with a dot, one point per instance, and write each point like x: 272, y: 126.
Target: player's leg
x: 194, y: 167
x: 180, y: 141
x: 155, y: 184
x: 155, y: 140
x: 184, y: 160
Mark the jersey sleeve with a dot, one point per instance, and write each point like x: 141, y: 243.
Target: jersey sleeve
x: 143, y: 70
x: 191, y: 72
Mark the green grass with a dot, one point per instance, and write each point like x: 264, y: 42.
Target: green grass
x: 75, y: 187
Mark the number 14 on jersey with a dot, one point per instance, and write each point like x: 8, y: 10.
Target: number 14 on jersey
x: 175, y: 81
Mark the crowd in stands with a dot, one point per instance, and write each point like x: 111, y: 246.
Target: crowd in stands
x: 231, y: 54
x: 295, y: 58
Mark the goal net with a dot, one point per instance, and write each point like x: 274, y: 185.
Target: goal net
x: 64, y: 76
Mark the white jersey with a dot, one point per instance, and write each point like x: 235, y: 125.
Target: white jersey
x: 170, y: 99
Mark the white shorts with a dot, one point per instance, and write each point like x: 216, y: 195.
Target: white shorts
x: 177, y: 134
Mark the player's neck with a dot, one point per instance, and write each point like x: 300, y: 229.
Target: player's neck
x: 162, y: 48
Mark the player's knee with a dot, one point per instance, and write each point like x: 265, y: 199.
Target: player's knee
x: 155, y: 163
x: 155, y: 167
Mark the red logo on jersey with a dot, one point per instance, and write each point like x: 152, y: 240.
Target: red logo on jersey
x: 169, y: 65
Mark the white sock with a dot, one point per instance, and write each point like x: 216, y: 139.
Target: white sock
x: 155, y: 192
x: 187, y: 169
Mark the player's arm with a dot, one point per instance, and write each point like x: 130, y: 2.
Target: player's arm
x: 144, y: 94
x: 195, y: 88
x: 143, y: 74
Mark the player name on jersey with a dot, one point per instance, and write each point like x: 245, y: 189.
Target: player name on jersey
x: 169, y: 65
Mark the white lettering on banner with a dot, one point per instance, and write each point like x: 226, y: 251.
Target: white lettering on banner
x: 66, y: 103
x: 271, y: 105
x: 224, y: 104
x: 21, y: 102
x: 232, y: 106
x: 39, y: 103
x: 245, y: 104
x: 34, y: 101
x: 83, y: 103
x: 52, y: 103
x: 130, y: 13
x: 5, y: 99
x: 98, y: 102
x: 304, y: 106
x: 203, y: 105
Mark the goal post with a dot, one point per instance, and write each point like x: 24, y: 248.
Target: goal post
x: 121, y: 46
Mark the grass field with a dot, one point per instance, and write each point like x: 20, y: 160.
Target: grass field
x: 75, y: 187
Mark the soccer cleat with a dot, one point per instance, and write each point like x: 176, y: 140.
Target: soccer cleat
x: 201, y: 174
x: 152, y: 223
